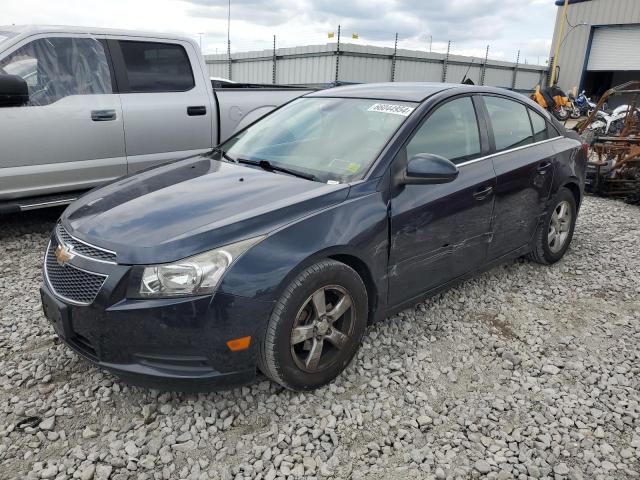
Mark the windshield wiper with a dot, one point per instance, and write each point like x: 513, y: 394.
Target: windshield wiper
x: 224, y: 155
x: 269, y: 167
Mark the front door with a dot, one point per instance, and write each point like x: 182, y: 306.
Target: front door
x: 524, y: 165
x: 439, y: 232
x: 70, y: 135
x: 166, y: 100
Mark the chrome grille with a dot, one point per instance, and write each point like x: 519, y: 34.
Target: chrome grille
x: 84, y: 249
x: 71, y: 283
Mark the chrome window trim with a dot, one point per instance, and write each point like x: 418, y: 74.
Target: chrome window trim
x: 93, y: 259
x: 469, y: 162
x: 74, y: 302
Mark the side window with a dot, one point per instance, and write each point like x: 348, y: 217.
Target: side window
x: 539, y: 126
x: 59, y: 67
x: 451, y: 132
x: 510, y: 122
x: 153, y: 67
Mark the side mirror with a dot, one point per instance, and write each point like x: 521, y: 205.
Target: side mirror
x: 14, y: 91
x: 426, y: 169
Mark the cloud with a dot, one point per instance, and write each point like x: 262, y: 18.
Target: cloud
x: 506, y: 25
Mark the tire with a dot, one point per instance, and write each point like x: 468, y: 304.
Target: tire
x: 297, y: 331
x: 575, y: 113
x: 545, y: 249
x: 560, y: 113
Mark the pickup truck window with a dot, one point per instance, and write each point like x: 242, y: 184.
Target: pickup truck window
x: 59, y: 67
x: 153, y: 67
x: 333, y: 139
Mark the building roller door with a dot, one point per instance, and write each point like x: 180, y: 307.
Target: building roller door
x: 615, y: 48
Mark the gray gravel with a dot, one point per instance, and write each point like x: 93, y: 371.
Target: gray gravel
x: 524, y: 372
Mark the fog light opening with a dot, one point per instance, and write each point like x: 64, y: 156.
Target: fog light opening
x: 238, y: 344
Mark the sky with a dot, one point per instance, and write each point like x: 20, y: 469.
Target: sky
x: 505, y: 25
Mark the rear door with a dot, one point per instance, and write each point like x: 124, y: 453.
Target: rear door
x: 70, y: 134
x: 440, y: 232
x: 166, y: 100
x: 524, y: 164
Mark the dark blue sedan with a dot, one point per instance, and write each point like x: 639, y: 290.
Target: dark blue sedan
x: 277, y: 249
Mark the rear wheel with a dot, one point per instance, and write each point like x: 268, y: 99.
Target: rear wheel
x: 316, y: 327
x: 556, y: 231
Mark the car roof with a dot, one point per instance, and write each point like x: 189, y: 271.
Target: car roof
x: 26, y: 30
x: 407, y: 91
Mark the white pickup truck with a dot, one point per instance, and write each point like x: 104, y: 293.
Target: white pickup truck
x: 82, y: 106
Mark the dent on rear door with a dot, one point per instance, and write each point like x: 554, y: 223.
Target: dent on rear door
x: 521, y: 196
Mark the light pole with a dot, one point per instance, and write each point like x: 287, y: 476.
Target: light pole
x: 552, y: 79
x: 200, y: 33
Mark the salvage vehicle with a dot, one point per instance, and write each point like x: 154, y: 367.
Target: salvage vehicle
x: 279, y: 247
x: 82, y: 106
x: 614, y: 163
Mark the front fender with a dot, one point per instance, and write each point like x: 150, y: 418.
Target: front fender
x: 356, y: 227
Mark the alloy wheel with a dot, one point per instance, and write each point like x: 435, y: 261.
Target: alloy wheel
x: 559, y: 226
x: 322, y: 328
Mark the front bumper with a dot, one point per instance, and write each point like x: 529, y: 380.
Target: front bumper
x: 177, y: 343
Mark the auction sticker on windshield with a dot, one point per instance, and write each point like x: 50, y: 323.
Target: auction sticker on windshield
x: 390, y: 108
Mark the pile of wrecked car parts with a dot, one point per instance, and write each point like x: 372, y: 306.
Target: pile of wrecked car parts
x: 614, y: 159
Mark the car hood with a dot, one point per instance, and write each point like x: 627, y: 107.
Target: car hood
x: 190, y: 206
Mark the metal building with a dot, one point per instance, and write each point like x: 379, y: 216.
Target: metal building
x: 321, y: 64
x: 599, y: 45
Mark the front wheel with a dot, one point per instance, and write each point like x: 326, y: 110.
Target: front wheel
x: 575, y: 112
x: 554, y: 234
x: 316, y: 327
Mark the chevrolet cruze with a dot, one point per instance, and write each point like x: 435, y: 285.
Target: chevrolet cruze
x: 277, y: 249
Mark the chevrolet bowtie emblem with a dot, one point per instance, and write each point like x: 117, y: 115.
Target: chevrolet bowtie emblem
x: 63, y: 254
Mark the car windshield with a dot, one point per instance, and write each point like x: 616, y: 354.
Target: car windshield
x: 331, y: 139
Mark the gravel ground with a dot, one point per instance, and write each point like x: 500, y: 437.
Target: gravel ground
x: 524, y: 372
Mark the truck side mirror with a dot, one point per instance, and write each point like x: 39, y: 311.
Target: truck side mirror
x: 14, y: 91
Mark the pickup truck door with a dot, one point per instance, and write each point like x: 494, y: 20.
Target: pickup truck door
x: 70, y: 135
x: 167, y: 100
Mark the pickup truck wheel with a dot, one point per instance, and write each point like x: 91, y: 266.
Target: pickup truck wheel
x: 554, y: 234
x: 316, y: 327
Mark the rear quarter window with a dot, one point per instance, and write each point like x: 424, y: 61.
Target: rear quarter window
x: 153, y: 67
x: 539, y: 124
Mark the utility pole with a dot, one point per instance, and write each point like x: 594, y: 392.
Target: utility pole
x: 563, y: 18
x: 229, y: 39
x: 201, y: 33
x: 338, y: 56
x: 430, y: 42
x: 393, y: 59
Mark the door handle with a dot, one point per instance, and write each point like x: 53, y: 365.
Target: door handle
x: 543, y: 167
x: 196, y: 111
x: 482, y: 193
x: 103, y: 115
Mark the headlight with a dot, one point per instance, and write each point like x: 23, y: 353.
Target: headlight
x: 196, y: 275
